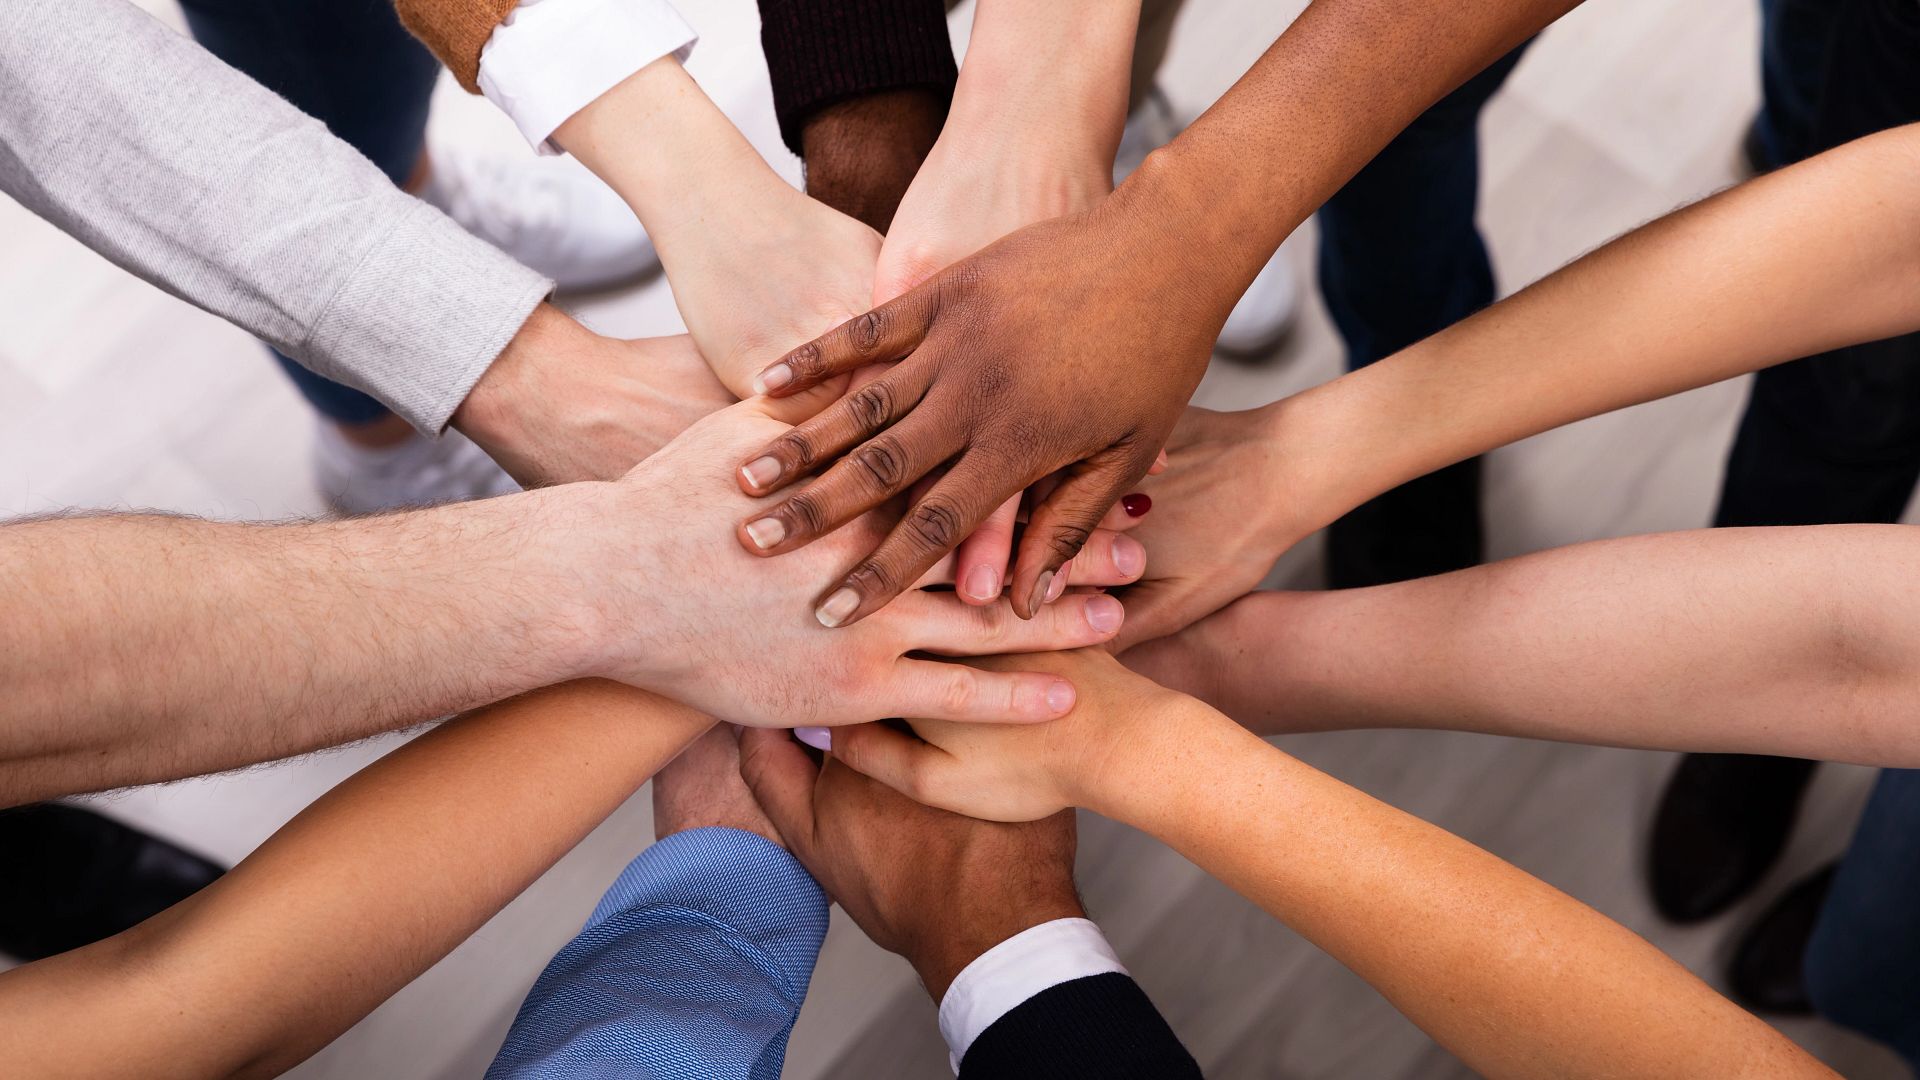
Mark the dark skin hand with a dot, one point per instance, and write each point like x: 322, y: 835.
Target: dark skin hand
x: 934, y: 887
x: 1105, y: 420
x: 1074, y: 343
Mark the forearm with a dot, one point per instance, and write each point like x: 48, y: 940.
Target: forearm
x: 1822, y: 254
x: 1013, y: 79
x: 1801, y: 642
x: 149, y: 648
x: 1511, y: 975
x: 1340, y: 83
x: 364, y: 890
x: 862, y: 154
x: 112, y: 124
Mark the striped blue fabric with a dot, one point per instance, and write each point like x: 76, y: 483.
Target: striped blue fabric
x: 693, y: 966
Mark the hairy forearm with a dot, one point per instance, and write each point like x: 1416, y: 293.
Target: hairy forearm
x: 1508, y: 973
x: 144, y: 648
x: 362, y: 892
x: 1798, y: 641
x: 1822, y: 254
x: 1343, y: 80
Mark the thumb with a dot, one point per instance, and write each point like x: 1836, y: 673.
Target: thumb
x: 781, y: 777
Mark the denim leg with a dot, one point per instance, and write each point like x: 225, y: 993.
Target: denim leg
x: 1863, y: 962
x: 1401, y: 258
x: 349, y: 64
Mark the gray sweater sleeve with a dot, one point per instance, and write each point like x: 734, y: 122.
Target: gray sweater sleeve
x: 182, y: 170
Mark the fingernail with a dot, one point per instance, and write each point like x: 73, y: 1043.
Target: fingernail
x: 1129, y: 557
x: 1040, y: 590
x: 1136, y: 504
x: 773, y: 378
x: 837, y: 608
x: 1060, y: 698
x: 761, y: 472
x: 817, y: 737
x: 770, y: 531
x: 1104, y: 614
x: 1058, y: 586
x: 983, y: 583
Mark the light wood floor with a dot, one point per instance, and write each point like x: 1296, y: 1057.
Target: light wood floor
x: 114, y: 395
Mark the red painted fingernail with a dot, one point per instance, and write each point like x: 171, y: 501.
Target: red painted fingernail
x: 1136, y: 505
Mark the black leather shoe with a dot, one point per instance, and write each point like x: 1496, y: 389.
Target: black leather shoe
x: 1768, y: 971
x: 74, y: 877
x: 1721, y: 823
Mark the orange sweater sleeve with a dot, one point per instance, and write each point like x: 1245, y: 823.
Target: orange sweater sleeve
x: 456, y: 31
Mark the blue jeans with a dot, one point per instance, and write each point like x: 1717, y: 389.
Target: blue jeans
x: 1863, y: 963
x: 1402, y: 258
x: 349, y: 64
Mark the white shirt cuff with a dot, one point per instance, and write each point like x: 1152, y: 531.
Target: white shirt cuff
x: 550, y: 58
x: 1005, y: 976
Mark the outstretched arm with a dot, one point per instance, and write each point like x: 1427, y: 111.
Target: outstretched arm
x: 1818, y: 255
x: 1510, y: 974
x: 1797, y: 641
x: 367, y: 888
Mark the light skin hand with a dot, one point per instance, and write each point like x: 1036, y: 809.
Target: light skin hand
x: 755, y: 265
x: 748, y: 617
x: 937, y: 888
x: 563, y: 403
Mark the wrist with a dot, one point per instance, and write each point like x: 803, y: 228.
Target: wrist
x: 862, y: 154
x: 945, y: 950
x: 1176, y: 742
x: 1068, y: 113
x: 598, y: 573
x: 503, y: 412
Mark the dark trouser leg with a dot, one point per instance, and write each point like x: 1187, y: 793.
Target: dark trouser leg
x: 350, y: 64
x: 1863, y: 963
x: 1401, y: 258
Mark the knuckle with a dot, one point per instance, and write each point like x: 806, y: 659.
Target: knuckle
x: 936, y: 523
x: 1065, y: 541
x: 960, y: 694
x: 885, y: 463
x: 864, y: 332
x: 871, y: 579
x: 806, y: 361
x: 805, y: 511
x: 795, y: 448
x: 872, y: 406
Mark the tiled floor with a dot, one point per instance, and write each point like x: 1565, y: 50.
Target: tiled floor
x: 112, y: 394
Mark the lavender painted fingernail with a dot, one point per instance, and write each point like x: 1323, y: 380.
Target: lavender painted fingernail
x: 819, y: 738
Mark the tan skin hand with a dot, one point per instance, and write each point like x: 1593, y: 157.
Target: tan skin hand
x: 1000, y: 388
x: 932, y: 886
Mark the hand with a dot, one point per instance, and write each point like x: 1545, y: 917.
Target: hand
x: 1057, y: 346
x: 1223, y: 511
x: 934, y: 887
x: 1024, y: 773
x: 702, y: 789
x: 562, y: 403
x: 708, y: 625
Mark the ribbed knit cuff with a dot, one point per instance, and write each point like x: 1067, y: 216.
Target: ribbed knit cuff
x: 455, y: 31
x: 823, y: 51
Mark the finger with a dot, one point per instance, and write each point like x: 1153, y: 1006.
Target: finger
x: 937, y: 521
x: 1128, y: 513
x: 939, y: 691
x: 1159, y: 464
x: 980, y: 562
x: 937, y: 623
x: 894, y: 758
x: 848, y: 422
x: 781, y: 778
x: 1109, y: 558
x: 888, y: 332
x: 874, y: 472
x: 1059, y: 526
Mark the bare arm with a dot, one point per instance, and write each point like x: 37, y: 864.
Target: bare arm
x: 1513, y: 976
x: 366, y: 889
x: 142, y: 648
x: 1801, y: 641
x: 1821, y: 254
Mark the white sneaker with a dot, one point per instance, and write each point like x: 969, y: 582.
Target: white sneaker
x: 1266, y: 311
x: 550, y: 213
x: 357, y: 479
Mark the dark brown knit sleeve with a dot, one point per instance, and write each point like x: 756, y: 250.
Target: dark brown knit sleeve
x: 456, y: 31
x: 823, y: 51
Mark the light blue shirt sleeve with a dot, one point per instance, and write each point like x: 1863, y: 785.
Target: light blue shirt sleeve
x: 693, y: 966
